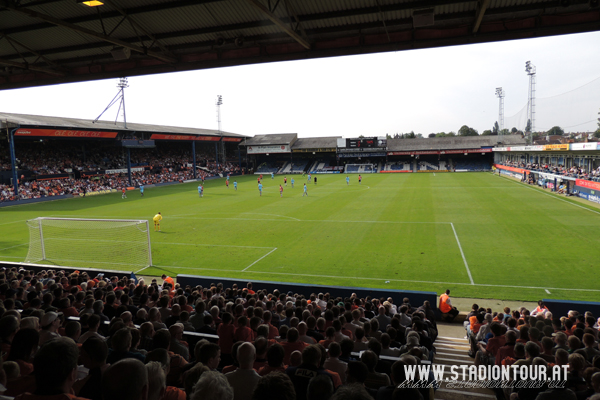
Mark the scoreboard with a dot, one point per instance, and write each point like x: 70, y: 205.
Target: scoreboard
x: 365, y: 143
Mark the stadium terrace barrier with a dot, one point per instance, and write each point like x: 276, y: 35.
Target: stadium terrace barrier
x: 92, y: 273
x: 416, y: 298
x: 560, y: 308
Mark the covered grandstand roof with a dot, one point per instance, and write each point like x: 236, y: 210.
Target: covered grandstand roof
x: 272, y: 140
x: 47, y: 42
x: 454, y: 142
x: 25, y: 120
x: 316, y: 143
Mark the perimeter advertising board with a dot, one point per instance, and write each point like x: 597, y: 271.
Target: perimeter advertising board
x: 585, y: 146
x: 64, y: 133
x: 269, y: 149
x: 161, y: 136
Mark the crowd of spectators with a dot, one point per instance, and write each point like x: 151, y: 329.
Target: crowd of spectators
x: 538, y: 338
x: 574, y: 171
x: 87, y: 169
x: 136, y: 341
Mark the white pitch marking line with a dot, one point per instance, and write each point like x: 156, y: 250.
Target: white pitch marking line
x: 547, y: 291
x: 13, y: 222
x: 216, y: 245
x: 554, y: 197
x: 18, y: 245
x: 244, y: 270
x: 462, y: 254
x: 137, y: 272
x: 374, y: 279
x: 273, y: 215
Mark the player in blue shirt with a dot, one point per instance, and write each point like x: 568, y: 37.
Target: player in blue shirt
x: 142, y: 190
x: 200, y: 190
x: 347, y: 180
x: 235, y: 185
x: 292, y: 183
x: 272, y: 176
x: 308, y: 178
x: 260, y: 188
x: 305, y: 192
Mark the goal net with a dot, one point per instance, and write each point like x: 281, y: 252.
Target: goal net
x: 82, y: 242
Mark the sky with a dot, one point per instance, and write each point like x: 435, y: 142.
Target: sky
x: 425, y: 91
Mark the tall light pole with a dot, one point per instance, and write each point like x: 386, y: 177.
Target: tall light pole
x: 500, y: 94
x: 530, y: 69
x: 120, y: 97
x: 218, y: 103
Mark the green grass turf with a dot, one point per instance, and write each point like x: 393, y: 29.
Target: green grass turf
x: 394, y: 231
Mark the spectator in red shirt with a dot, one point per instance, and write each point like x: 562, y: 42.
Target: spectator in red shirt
x: 243, y: 333
x: 226, y: 334
x: 292, y: 344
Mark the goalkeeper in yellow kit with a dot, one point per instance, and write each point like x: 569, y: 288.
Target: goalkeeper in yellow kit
x: 157, y: 218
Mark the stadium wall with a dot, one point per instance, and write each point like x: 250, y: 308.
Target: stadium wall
x: 416, y: 298
x: 562, y: 307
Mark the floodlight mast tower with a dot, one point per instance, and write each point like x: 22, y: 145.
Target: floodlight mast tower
x: 500, y: 94
x: 218, y: 103
x: 530, y: 69
x: 120, y: 97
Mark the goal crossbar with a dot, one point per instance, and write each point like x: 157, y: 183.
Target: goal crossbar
x: 78, y: 241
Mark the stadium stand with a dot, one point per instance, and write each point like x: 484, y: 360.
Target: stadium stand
x: 60, y: 168
x: 266, y: 168
x: 471, y: 165
x: 558, y: 169
x: 427, y: 166
x: 191, y: 330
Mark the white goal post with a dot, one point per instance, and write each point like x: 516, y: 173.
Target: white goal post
x: 82, y: 242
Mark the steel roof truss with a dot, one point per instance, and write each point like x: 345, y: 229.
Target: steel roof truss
x: 259, y: 6
x: 79, y: 29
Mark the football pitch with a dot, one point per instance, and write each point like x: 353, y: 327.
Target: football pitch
x: 477, y: 234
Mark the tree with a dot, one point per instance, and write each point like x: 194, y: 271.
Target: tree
x: 419, y: 136
x: 528, y: 127
x: 388, y: 136
x: 361, y: 137
x: 504, y: 131
x: 466, y: 131
x: 597, y: 133
x: 556, y: 130
x: 514, y: 130
x: 487, y: 132
x: 431, y: 135
x: 495, y: 129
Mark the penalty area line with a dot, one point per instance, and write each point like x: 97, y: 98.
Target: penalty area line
x: 462, y: 254
x: 244, y: 270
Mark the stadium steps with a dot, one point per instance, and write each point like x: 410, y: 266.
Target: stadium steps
x: 453, y: 351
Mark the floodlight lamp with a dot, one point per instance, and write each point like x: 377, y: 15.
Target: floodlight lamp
x: 90, y: 3
x: 123, y: 83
